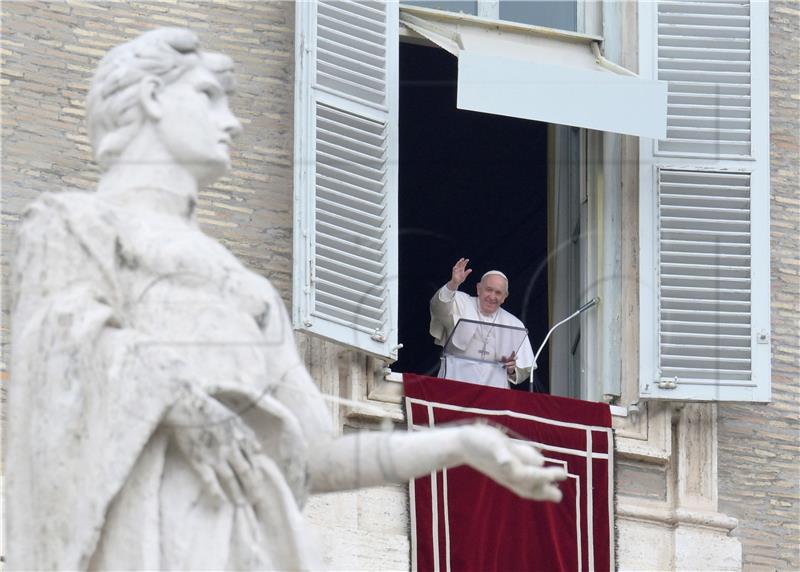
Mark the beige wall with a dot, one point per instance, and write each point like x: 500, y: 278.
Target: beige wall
x: 759, y: 445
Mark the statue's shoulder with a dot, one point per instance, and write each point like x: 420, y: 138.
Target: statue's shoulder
x: 64, y: 217
x: 64, y: 206
x: 64, y: 202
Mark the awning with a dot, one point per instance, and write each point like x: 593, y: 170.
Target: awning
x: 542, y: 74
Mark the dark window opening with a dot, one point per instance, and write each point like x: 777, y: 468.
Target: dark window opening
x: 472, y: 185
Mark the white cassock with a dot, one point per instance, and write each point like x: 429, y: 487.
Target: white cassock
x: 447, y: 308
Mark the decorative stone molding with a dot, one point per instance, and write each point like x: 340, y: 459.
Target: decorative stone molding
x: 687, y: 528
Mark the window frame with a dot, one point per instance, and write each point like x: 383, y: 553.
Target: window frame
x: 601, y: 358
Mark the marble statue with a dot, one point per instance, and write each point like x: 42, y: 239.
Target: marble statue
x: 159, y: 416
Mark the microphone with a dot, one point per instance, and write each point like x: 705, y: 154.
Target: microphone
x: 583, y: 308
x: 593, y: 302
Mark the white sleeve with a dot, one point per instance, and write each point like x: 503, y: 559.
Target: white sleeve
x: 524, y: 362
x: 442, y: 303
x: 446, y: 295
x: 443, y: 308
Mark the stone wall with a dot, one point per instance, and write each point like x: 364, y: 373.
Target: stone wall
x: 759, y: 445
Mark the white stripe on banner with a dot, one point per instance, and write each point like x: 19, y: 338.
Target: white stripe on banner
x: 588, y: 454
x: 507, y: 412
x: 577, y: 479
x: 589, y: 499
x: 435, y: 511
x: 611, y: 507
x: 446, y: 502
x: 542, y: 446
x: 578, y: 518
x: 412, y: 498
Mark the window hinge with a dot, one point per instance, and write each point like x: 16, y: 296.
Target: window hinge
x: 378, y: 336
x: 668, y: 383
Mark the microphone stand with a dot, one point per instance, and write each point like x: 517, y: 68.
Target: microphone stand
x: 582, y: 309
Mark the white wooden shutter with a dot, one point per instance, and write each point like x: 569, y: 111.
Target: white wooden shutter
x: 704, y: 54
x: 704, y: 204
x: 345, y: 185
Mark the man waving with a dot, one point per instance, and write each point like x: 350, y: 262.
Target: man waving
x: 486, y: 337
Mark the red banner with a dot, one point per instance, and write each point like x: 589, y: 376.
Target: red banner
x: 463, y: 521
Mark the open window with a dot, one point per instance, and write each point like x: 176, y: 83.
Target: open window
x: 346, y: 274
x: 471, y: 184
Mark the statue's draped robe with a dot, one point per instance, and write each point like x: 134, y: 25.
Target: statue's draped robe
x: 115, y: 308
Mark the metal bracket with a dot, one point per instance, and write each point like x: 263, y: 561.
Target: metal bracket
x: 668, y: 383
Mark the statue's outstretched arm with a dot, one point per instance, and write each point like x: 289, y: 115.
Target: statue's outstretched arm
x: 373, y: 458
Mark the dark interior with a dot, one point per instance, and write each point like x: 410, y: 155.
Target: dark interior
x: 472, y: 185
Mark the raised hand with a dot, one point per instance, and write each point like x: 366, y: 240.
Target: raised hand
x: 459, y: 273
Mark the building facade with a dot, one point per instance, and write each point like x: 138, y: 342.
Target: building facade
x: 700, y: 485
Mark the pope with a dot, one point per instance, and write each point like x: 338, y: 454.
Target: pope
x: 490, y: 334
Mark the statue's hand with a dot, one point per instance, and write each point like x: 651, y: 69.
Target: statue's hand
x: 218, y: 445
x: 514, y: 464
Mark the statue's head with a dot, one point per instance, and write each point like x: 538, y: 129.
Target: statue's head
x: 163, y: 78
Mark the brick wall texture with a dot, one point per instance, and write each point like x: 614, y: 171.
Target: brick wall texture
x: 49, y: 51
x: 759, y: 445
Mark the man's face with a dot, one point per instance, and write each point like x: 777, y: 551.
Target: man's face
x: 492, y: 292
x: 196, y: 125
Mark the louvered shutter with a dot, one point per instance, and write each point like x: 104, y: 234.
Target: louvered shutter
x: 345, y: 185
x: 704, y: 54
x: 704, y: 204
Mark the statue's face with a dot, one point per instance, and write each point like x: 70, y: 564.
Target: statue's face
x: 196, y: 125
